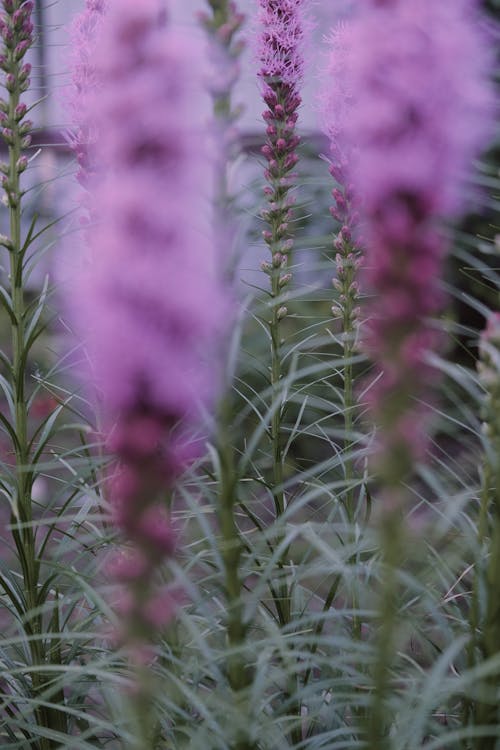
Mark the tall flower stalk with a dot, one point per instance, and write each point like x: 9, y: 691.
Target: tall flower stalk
x: 281, y: 45
x: 149, y: 303
x: 222, y: 27
x: 421, y: 111
x: 282, y: 39
x: 16, y: 33
x: 488, y: 640
x: 335, y: 105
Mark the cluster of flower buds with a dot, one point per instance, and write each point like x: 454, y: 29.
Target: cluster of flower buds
x: 348, y: 257
x: 222, y: 28
x: 16, y: 32
x: 84, y: 34
x: 281, y: 53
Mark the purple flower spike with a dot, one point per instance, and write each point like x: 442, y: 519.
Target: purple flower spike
x: 411, y: 106
x: 149, y: 305
x: 84, y: 35
x: 283, y: 29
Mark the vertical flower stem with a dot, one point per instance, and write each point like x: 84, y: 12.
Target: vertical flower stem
x: 222, y: 29
x: 486, y: 713
x: 348, y: 260
x: 391, y: 534
x: 280, y: 153
x: 16, y: 30
x: 239, y: 673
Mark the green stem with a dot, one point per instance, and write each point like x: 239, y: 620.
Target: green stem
x: 22, y: 521
x: 26, y: 536
x: 487, y: 713
x: 474, y: 645
x: 239, y: 672
x: 392, y: 545
x: 279, y: 242
x: 488, y: 637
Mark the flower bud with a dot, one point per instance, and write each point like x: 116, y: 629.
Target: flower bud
x: 25, y: 72
x: 284, y: 280
x: 8, y: 136
x: 21, y: 50
x: 22, y: 164
x: 10, y: 82
x: 20, y: 111
x: 282, y: 313
x: 25, y: 127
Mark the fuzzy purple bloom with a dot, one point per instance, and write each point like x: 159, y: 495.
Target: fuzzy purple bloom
x: 283, y: 40
x: 84, y: 35
x: 414, y: 107
x: 149, y: 304
x: 155, y: 300
x: 335, y: 107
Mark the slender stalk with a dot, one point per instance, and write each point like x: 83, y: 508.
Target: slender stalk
x: 391, y: 532
x: 222, y: 29
x: 284, y: 30
x: 488, y: 638
x: 281, y: 157
x: 239, y: 672
x: 348, y: 261
x: 16, y: 30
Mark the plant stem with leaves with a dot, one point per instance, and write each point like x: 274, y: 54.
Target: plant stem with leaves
x: 16, y: 29
x: 489, y: 640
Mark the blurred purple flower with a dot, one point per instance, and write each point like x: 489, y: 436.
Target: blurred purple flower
x: 84, y: 34
x: 149, y: 304
x: 412, y: 108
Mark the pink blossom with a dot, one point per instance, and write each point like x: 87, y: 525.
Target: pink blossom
x: 84, y: 34
x: 148, y: 306
x: 408, y: 105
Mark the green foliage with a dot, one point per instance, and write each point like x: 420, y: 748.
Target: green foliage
x: 276, y: 641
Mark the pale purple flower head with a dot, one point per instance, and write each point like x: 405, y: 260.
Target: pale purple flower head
x: 84, y: 34
x: 407, y: 108
x: 282, y: 40
x: 418, y: 72
x: 151, y: 297
x: 148, y: 305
